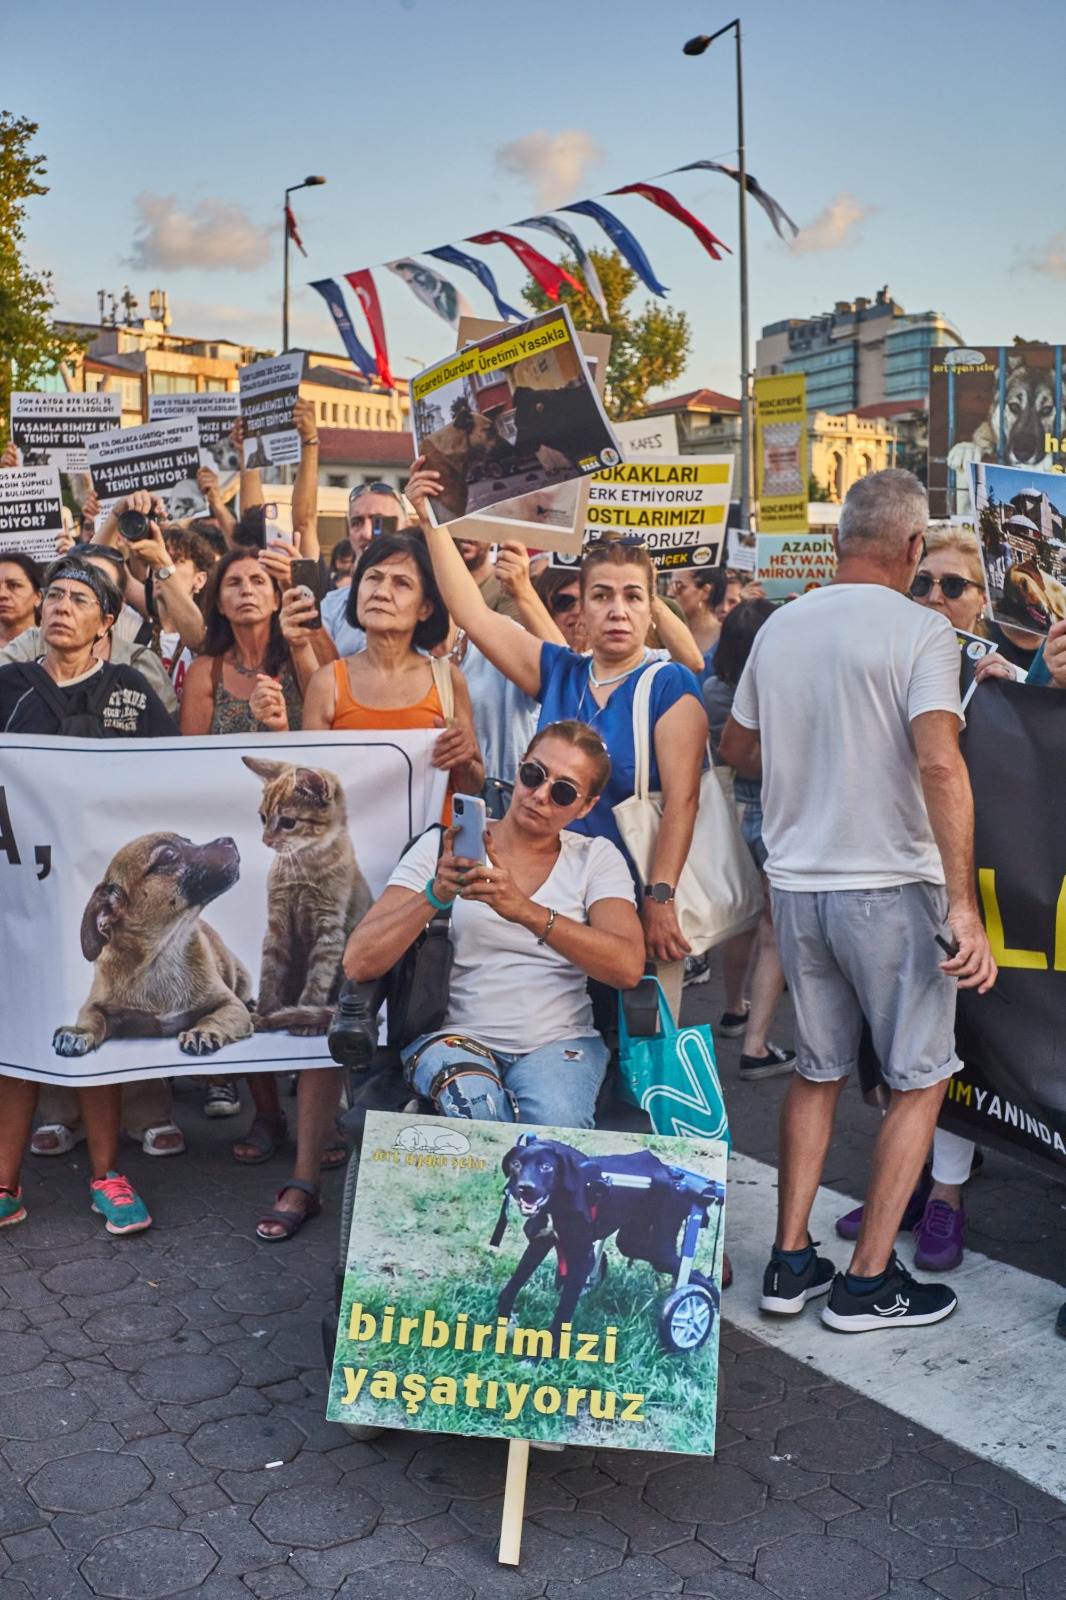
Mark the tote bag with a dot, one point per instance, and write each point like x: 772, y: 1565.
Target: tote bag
x: 719, y: 892
x: 673, y: 1077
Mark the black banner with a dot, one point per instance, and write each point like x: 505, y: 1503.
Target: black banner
x: 1012, y: 1089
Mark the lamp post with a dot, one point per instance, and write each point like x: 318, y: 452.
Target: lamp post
x: 308, y: 183
x: 696, y: 47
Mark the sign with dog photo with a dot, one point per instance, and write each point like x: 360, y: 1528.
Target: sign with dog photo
x: 51, y: 429
x: 269, y: 392
x: 152, y: 893
x: 1021, y: 529
x: 216, y: 414
x: 1000, y: 404
x: 533, y: 1283
x: 512, y: 415
x: 161, y: 457
x: 31, y: 511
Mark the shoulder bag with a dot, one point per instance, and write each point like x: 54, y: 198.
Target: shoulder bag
x: 672, y: 1076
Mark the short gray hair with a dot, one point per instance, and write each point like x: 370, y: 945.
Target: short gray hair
x: 881, y: 512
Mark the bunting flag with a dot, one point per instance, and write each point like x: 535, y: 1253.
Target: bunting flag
x: 483, y: 273
x: 666, y: 202
x: 580, y: 254
x: 367, y: 294
x: 779, y: 217
x: 433, y: 290
x: 290, y: 223
x: 334, y: 298
x: 550, y: 277
x: 622, y: 240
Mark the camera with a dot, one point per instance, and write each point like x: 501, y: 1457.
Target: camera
x: 133, y: 525
x: 352, y: 1036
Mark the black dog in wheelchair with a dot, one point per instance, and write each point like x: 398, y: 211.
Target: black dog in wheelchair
x: 637, y: 1197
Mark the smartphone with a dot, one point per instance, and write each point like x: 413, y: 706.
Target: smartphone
x: 305, y: 575
x: 380, y: 525
x: 468, y: 814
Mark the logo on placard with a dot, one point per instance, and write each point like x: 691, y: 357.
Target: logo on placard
x: 610, y: 456
x: 975, y: 650
x: 438, y: 1141
x: 701, y: 555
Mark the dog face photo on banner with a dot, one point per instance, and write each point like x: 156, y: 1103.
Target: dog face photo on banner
x: 1021, y: 529
x: 207, y: 918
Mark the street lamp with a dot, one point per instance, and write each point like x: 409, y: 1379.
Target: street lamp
x: 696, y: 47
x: 308, y: 183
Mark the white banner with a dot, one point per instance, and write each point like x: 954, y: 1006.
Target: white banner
x: 677, y: 505
x: 136, y: 900
x: 216, y: 414
x: 51, y: 429
x: 161, y: 457
x: 31, y: 511
x: 269, y: 392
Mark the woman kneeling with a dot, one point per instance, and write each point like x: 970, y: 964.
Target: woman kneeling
x: 547, y: 910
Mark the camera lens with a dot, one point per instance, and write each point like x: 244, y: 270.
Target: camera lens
x: 133, y: 525
x: 457, y: 806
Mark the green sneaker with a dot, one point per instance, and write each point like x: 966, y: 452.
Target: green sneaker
x: 119, y: 1204
x: 11, y: 1207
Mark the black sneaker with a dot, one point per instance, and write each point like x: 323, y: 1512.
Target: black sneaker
x: 697, y: 970
x: 771, y: 1064
x: 900, y: 1301
x: 731, y: 1024
x: 785, y: 1293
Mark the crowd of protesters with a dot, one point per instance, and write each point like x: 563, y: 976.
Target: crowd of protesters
x: 529, y: 673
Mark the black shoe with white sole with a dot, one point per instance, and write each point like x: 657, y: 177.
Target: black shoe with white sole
x: 773, y: 1063
x: 898, y: 1301
x: 785, y: 1293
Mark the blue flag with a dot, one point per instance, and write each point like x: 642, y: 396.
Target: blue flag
x: 333, y: 297
x: 622, y: 239
x: 483, y: 273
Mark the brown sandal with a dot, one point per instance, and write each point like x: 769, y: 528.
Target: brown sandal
x: 290, y: 1222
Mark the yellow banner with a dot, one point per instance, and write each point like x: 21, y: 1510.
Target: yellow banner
x: 781, y: 464
x: 479, y: 360
x: 654, y: 516
x: 664, y: 473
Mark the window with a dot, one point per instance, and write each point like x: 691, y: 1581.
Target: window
x: 347, y: 414
x: 215, y: 386
x: 131, y: 394
x: 171, y: 383
x: 335, y: 410
x: 321, y: 411
x: 336, y: 480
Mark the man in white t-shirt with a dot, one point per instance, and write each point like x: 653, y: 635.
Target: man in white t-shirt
x: 849, y: 710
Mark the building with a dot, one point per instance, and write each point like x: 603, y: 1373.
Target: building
x: 708, y: 423
x: 861, y: 354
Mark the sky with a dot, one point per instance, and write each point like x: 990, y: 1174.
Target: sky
x: 889, y: 134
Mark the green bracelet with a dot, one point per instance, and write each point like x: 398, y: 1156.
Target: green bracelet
x: 440, y: 905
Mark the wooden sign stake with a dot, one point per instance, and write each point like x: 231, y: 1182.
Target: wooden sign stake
x: 514, y: 1501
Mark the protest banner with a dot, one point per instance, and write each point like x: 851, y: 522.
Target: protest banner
x: 173, y: 958
x: 31, y: 511
x: 51, y: 429
x: 216, y: 414
x: 781, y: 461
x: 511, y: 416
x: 642, y: 440
x: 677, y: 505
x: 442, y: 1330
x: 1021, y: 530
x: 269, y: 392
x: 1011, y: 1092
x: 1002, y: 404
x: 160, y: 457
x: 972, y: 649
x: 790, y: 564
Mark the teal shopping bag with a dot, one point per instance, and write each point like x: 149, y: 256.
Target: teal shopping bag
x: 673, y: 1077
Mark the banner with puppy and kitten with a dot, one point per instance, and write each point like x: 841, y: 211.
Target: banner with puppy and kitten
x: 176, y: 906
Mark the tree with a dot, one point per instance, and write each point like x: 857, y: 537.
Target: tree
x: 649, y: 347
x: 30, y: 346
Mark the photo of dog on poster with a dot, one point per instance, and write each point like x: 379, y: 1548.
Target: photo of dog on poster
x: 1021, y: 529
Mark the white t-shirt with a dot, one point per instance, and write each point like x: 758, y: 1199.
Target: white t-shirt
x: 832, y: 684
x: 177, y: 659
x: 507, y: 990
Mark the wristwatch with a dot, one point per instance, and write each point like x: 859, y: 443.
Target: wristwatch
x: 661, y: 893
x: 163, y: 573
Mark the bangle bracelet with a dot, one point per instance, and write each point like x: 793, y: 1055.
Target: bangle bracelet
x: 312, y: 441
x: 547, y: 932
x: 440, y: 905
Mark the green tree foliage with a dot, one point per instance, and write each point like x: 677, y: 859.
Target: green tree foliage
x: 649, y: 347
x: 30, y: 346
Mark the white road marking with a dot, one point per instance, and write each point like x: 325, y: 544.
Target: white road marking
x: 988, y: 1378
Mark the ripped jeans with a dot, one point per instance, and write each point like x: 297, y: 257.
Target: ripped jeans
x: 554, y: 1087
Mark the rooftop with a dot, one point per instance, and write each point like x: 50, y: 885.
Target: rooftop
x: 695, y: 400
x: 367, y: 446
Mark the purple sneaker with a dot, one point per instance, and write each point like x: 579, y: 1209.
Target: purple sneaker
x: 849, y: 1224
x: 939, y: 1236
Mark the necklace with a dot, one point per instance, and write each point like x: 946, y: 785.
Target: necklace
x: 603, y: 683
x: 247, y: 672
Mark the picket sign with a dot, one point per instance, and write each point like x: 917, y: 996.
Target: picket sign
x: 514, y: 1502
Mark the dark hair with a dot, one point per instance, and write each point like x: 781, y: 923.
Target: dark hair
x: 342, y: 551
x: 250, y: 530
x: 719, y: 579
x: 218, y: 634
x: 552, y: 579
x: 737, y: 637
x: 76, y: 569
x: 617, y: 553
x: 186, y: 545
x: 114, y: 558
x: 31, y: 569
x: 210, y: 532
x: 404, y: 542
x: 583, y: 738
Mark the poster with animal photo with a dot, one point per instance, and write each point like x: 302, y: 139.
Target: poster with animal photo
x: 512, y: 415
x: 216, y: 414
x: 51, y: 429
x: 517, y: 1282
x: 150, y: 889
x: 269, y: 392
x: 1000, y: 404
x: 1021, y: 529
x: 161, y: 457
x: 31, y: 511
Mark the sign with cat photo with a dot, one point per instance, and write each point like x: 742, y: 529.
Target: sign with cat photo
x: 150, y: 889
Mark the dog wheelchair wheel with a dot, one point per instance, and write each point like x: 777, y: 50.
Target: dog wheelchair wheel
x: 686, y: 1318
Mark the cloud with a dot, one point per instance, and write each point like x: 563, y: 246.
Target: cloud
x: 214, y: 235
x: 833, y: 227
x: 553, y: 164
x: 1050, y: 258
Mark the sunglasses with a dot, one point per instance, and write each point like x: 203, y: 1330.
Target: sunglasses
x: 952, y: 587
x: 562, y: 602
x: 563, y: 793
x: 372, y: 488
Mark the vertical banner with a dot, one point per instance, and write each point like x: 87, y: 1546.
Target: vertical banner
x: 269, y: 392
x: 781, y: 453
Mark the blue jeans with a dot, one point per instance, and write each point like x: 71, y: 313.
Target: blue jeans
x: 555, y: 1086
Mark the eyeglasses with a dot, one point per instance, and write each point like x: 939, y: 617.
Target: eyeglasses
x: 562, y: 602
x: 98, y: 552
x: 951, y: 587
x: 80, y: 601
x: 531, y: 775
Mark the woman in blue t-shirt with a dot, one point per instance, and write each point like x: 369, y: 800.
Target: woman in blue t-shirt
x: 617, y: 586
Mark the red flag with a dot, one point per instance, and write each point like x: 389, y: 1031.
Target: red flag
x: 666, y: 202
x: 290, y: 223
x: 367, y: 295
x: 545, y: 272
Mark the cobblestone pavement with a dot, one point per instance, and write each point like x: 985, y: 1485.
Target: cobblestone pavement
x: 162, y: 1432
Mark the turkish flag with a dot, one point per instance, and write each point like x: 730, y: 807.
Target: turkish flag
x: 545, y: 272
x: 367, y: 295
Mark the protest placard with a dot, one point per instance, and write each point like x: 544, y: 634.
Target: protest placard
x: 31, y: 511
x: 442, y: 1330
x: 511, y: 415
x: 269, y: 392
x: 789, y: 564
x: 676, y: 505
x: 51, y: 429
x: 216, y: 414
x: 739, y: 542
x: 972, y: 649
x: 161, y: 457
x: 80, y: 822
x: 647, y: 437
x: 781, y: 463
x: 1021, y: 531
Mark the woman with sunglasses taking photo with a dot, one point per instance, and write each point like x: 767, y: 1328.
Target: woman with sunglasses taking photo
x: 547, y: 909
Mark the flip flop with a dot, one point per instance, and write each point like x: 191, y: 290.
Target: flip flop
x: 290, y: 1221
x: 264, y: 1137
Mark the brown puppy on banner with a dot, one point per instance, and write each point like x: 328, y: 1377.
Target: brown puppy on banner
x: 453, y: 451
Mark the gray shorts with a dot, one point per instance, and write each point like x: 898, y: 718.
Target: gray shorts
x: 850, y: 953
